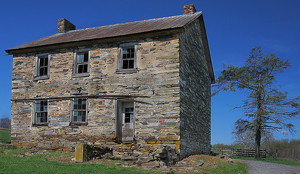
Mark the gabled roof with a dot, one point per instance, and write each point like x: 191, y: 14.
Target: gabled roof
x: 110, y: 31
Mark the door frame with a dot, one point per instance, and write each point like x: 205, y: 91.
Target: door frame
x: 119, y: 118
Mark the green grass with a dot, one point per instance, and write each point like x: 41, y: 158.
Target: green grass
x: 225, y: 167
x: 271, y: 160
x: 39, y: 164
x: 4, y: 136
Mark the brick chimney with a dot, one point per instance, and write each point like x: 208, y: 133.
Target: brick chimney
x: 63, y: 25
x: 189, y: 9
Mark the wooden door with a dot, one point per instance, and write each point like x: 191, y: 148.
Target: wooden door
x: 128, y: 121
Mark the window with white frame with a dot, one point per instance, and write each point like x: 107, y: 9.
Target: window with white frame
x: 127, y: 60
x: 79, y: 110
x: 42, y: 67
x: 81, y: 63
x: 41, y: 112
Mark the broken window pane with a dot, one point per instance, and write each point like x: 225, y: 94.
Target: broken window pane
x: 125, y: 64
x: 42, y: 66
x: 80, y: 68
x: 85, y: 68
x: 131, y: 64
x: 86, y: 57
x: 82, y: 62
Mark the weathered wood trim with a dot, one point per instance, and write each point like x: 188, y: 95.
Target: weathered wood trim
x: 126, y: 71
x: 80, y: 96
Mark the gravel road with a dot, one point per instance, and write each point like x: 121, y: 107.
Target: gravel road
x: 259, y: 167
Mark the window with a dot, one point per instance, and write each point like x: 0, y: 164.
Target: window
x: 127, y: 60
x: 128, y: 114
x: 79, y: 110
x: 81, y: 63
x: 41, y: 112
x: 42, y: 67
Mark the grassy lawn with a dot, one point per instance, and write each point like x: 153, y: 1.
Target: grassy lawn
x: 225, y: 167
x: 39, y: 164
x: 271, y: 160
x: 42, y: 163
x: 4, y: 136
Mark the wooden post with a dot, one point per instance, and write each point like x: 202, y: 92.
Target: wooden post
x: 80, y: 153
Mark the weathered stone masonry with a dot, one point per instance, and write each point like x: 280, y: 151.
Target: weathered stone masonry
x: 170, y: 91
x: 195, y: 88
x: 158, y: 77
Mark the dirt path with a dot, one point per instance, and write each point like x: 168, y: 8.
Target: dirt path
x: 259, y: 167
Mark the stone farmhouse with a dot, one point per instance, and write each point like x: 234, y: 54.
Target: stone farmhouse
x: 132, y: 86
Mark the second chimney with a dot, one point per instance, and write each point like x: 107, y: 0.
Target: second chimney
x: 188, y: 9
x: 63, y: 25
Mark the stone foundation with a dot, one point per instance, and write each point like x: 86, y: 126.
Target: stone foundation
x: 166, y: 154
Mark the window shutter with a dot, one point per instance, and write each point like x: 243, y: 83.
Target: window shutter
x: 120, y: 63
x: 36, y: 66
x: 34, y: 112
x: 48, y: 69
x: 118, y: 121
x: 71, y: 109
x: 75, y: 63
x: 135, y: 56
x: 89, y: 57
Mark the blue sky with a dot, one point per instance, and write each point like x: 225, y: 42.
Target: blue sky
x: 233, y: 27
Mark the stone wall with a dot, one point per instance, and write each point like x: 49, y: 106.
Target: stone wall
x: 195, y: 93
x: 156, y: 117
x: 172, y: 107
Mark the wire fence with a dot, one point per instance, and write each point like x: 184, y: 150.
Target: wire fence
x: 292, y: 154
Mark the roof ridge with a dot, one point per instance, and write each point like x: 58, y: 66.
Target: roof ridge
x: 113, y: 30
x: 196, y: 13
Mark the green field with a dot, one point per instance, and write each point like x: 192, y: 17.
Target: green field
x: 39, y: 164
x: 4, y: 136
x: 271, y: 160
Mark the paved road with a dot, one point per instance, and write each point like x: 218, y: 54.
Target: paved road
x: 259, y: 167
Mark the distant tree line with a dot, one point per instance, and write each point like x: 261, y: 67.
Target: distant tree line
x: 5, y: 123
x: 283, y: 148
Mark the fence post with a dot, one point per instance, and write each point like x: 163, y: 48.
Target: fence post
x: 292, y: 154
x: 276, y: 153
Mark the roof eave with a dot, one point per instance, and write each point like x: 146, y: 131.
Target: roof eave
x: 121, y: 38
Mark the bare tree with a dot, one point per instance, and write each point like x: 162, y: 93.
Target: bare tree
x: 266, y: 108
